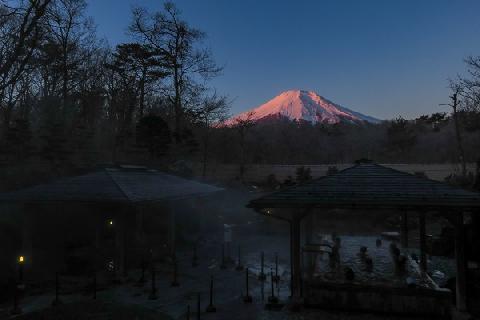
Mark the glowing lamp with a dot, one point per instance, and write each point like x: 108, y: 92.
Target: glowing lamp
x: 21, y: 259
x: 110, y: 222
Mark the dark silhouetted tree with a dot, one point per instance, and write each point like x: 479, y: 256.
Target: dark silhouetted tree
x: 178, y: 43
x: 400, y: 136
x: 153, y: 134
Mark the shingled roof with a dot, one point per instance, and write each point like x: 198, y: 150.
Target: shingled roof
x: 370, y: 186
x: 113, y: 185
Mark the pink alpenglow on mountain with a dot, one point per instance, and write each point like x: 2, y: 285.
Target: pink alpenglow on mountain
x: 303, y: 105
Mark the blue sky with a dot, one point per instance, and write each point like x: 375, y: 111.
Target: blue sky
x: 384, y: 58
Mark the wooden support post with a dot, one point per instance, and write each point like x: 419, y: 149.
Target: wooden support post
x: 94, y: 285
x: 476, y: 230
x: 27, y: 237
x: 404, y: 229
x: 211, y: 307
x: 223, y: 266
x: 308, y: 222
x: 153, y: 290
x: 57, y: 300
x: 276, y: 278
x: 262, y: 276
x: 99, y: 223
x: 239, y: 263
x: 121, y: 244
x: 460, y: 260
x: 175, y: 274
x: 423, y: 242
x: 139, y: 231
x: 16, y: 304
x: 98, y: 242
x: 272, y: 299
x: 143, y: 266
x: 198, y: 306
x: 195, y: 256
x: 171, y: 230
x: 296, y: 272
x: 247, y: 298
x: 308, y: 260
x: 291, y: 259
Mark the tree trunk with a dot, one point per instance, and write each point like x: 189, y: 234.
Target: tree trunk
x: 459, y: 137
x: 65, y: 84
x: 178, y: 105
x: 142, y: 92
x: 205, y: 152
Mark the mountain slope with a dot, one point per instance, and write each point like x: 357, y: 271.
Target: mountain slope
x: 303, y: 105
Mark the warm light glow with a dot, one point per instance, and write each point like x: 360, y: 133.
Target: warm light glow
x: 110, y: 222
x: 300, y: 105
x: 21, y: 259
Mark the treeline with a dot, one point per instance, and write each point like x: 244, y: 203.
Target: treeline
x: 428, y: 139
x: 67, y: 99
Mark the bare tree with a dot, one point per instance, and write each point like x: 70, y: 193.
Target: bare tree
x: 178, y: 43
x: 243, y: 125
x: 71, y: 32
x: 470, y: 86
x: 20, y: 34
x: 454, y: 105
x: 212, y: 111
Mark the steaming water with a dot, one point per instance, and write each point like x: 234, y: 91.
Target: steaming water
x: 383, y: 272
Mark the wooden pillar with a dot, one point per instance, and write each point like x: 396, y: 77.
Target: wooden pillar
x: 139, y: 231
x: 460, y: 260
x: 423, y: 242
x: 308, y: 260
x: 171, y: 229
x: 404, y: 229
x: 308, y: 229
x: 27, y: 236
x: 291, y: 259
x: 121, y: 243
x: 99, y: 224
x: 476, y: 233
x: 201, y: 208
x: 296, y: 274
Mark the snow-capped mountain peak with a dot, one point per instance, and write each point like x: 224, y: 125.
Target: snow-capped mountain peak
x: 303, y: 105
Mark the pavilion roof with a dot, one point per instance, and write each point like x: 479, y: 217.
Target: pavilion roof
x: 370, y: 185
x: 128, y: 185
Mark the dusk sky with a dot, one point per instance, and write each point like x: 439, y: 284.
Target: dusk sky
x: 381, y: 58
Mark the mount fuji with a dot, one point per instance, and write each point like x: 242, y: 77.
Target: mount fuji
x: 300, y: 105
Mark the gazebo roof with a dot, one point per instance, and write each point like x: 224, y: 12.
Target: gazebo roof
x: 370, y: 186
x: 129, y: 185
